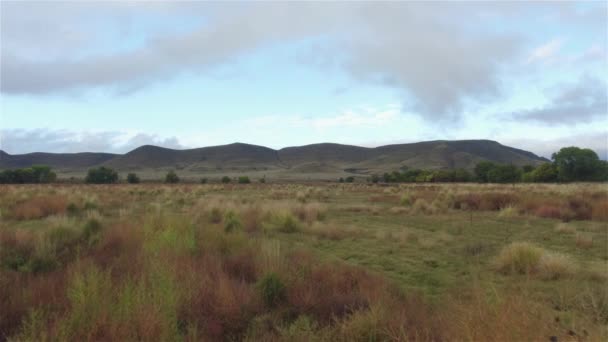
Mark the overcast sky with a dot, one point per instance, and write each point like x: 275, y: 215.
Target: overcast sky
x: 111, y: 76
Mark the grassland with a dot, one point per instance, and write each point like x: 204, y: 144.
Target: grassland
x: 341, y: 262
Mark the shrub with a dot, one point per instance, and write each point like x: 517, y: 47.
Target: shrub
x: 565, y: 228
x: 263, y: 180
x: 231, y: 222
x: 244, y: 180
x: 406, y: 200
x: 215, y: 215
x: 584, y: 240
x: 203, y: 180
x: 519, y: 257
x: 101, y: 175
x: 132, y: 178
x: 554, y: 266
x: 349, y: 179
x: 91, y: 231
x: 171, y: 177
x: 39, y: 207
x: 272, y: 290
x: 287, y: 223
x: 226, y: 180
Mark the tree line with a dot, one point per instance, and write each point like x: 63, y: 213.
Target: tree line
x: 570, y: 164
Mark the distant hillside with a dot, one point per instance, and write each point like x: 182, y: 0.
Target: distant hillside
x: 55, y: 160
x: 318, y: 159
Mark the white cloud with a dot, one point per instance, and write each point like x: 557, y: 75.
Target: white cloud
x: 18, y: 141
x: 546, y: 51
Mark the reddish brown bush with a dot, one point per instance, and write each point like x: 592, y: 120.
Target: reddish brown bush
x: 548, y: 211
x: 39, y: 207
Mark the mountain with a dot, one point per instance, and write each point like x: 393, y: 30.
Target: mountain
x: 54, y: 160
x: 320, y: 160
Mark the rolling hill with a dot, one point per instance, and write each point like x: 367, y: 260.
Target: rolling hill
x: 316, y: 161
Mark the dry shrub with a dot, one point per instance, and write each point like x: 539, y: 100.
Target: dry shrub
x: 599, y: 210
x: 497, y: 200
x: 330, y: 232
x: 519, y: 257
x: 310, y: 212
x: 554, y: 266
x: 549, y: 211
x: 473, y: 316
x: 584, y: 240
x: 565, y: 228
x: 39, y: 207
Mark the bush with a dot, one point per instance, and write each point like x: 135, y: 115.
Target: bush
x: 287, y: 223
x: 263, y: 180
x: 519, y: 257
x: 226, y: 180
x: 554, y: 266
x: 203, y: 180
x: 91, y: 231
x: 171, y: 177
x: 349, y: 179
x: 231, y: 222
x: 132, y: 178
x: 101, y: 175
x: 244, y: 180
x: 272, y: 290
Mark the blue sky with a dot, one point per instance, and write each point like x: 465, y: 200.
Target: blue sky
x: 110, y: 76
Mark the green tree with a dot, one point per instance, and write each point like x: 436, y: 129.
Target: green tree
x: 226, y: 179
x: 545, y: 173
x: 504, y: 174
x: 349, y: 179
x: 101, y: 175
x: 482, y: 169
x: 244, y: 180
x: 43, y: 174
x: 171, y: 177
x: 577, y: 164
x: 132, y: 178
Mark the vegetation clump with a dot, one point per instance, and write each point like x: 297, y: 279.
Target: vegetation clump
x: 132, y: 178
x: 171, y: 177
x: 34, y: 174
x: 101, y: 175
x: 272, y: 290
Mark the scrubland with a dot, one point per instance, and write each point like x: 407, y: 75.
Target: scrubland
x: 294, y: 262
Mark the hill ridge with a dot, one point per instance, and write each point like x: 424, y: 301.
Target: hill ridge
x: 318, y: 158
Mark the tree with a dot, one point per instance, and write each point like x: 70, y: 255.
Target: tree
x: 101, y: 175
x: 132, y: 178
x: 43, y: 174
x: 545, y: 173
x: 504, y: 174
x: 226, y: 179
x: 203, y: 180
x: 375, y: 178
x: 171, y: 177
x: 349, y: 179
x: 244, y: 180
x: 482, y: 169
x: 577, y: 164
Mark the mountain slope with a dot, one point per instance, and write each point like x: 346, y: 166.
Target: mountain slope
x: 55, y: 160
x: 323, y: 158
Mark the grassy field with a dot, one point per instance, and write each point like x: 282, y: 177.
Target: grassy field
x: 297, y: 262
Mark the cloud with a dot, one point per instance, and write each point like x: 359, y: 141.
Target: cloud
x: 574, y: 103
x: 349, y: 118
x: 597, y: 141
x: 423, y: 50
x: 18, y: 141
x: 545, y: 51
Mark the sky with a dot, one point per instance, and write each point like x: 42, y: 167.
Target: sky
x: 110, y: 76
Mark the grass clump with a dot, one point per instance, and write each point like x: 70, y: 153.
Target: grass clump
x: 272, y: 289
x: 554, y: 266
x: 519, y: 258
x: 232, y: 222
